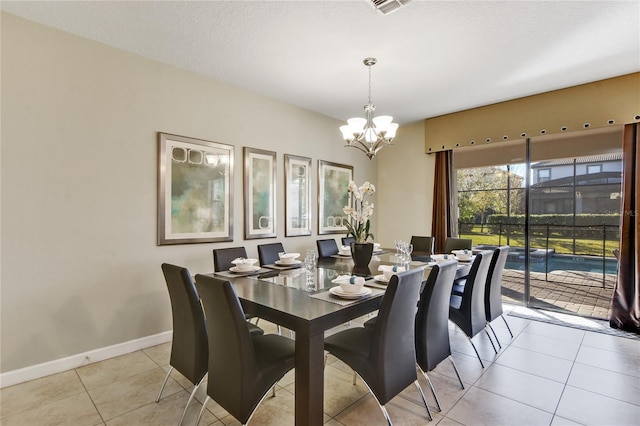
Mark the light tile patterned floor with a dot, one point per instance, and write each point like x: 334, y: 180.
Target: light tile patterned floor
x: 545, y: 375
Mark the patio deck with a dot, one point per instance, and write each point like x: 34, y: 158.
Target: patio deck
x: 570, y: 292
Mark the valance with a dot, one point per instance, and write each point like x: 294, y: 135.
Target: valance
x: 604, y: 103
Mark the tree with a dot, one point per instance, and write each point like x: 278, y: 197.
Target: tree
x: 483, y: 191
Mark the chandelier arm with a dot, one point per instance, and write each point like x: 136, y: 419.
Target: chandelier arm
x: 365, y: 147
x: 366, y: 151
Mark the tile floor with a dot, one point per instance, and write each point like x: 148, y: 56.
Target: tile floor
x: 546, y: 375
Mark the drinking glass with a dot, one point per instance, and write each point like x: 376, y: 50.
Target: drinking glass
x: 310, y: 260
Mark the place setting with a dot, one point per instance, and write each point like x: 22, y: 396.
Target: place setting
x: 464, y: 255
x: 286, y: 261
x: 387, y: 272
x: 344, y: 251
x: 242, y: 267
x: 349, y: 289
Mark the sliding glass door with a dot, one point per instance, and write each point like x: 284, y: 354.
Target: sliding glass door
x: 555, y: 201
x: 574, y: 217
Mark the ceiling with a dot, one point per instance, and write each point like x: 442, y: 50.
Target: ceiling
x: 434, y: 57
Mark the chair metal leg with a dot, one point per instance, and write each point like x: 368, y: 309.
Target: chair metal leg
x: 193, y: 393
x: 354, y: 377
x: 491, y: 340
x: 505, y: 323
x: 472, y: 345
x: 384, y: 410
x: 455, y: 368
x: 494, y: 335
x: 386, y: 415
x: 164, y: 383
x: 474, y: 348
x: 279, y: 329
x: 274, y: 391
x: 424, y: 400
x: 204, y: 404
x: 257, y: 405
x: 433, y: 391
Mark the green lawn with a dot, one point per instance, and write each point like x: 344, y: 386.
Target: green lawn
x: 591, y: 247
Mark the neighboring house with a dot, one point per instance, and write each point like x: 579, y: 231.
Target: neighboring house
x: 584, y: 185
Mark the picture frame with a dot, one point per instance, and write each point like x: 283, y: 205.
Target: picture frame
x: 297, y: 200
x: 333, y: 180
x: 259, y: 193
x: 195, y: 190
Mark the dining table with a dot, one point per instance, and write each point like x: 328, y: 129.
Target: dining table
x: 301, y: 300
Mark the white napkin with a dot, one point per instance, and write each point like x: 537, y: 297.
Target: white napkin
x: 391, y: 268
x: 243, y: 261
x: 345, y: 249
x: 347, y: 279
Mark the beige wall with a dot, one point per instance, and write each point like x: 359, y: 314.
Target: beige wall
x: 80, y: 265
x: 405, y: 177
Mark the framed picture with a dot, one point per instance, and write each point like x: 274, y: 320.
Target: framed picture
x: 259, y: 193
x: 333, y: 180
x: 297, y: 199
x: 195, y: 190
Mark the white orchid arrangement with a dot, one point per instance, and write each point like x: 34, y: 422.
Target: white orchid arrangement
x: 359, y: 211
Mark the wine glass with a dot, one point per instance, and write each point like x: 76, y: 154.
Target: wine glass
x: 409, y: 250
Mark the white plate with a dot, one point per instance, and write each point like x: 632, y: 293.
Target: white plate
x: 381, y: 279
x: 281, y: 263
x: 337, y: 291
x: 244, y: 271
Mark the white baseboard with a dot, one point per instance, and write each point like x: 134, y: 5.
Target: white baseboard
x: 74, y: 361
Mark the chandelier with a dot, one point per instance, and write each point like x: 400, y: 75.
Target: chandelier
x: 369, y: 134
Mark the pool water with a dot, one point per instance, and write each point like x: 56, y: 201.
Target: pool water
x: 563, y: 262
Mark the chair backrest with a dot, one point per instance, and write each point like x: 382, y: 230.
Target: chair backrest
x: 327, y: 247
x: 452, y: 243
x: 222, y: 258
x: 432, y: 319
x: 232, y: 364
x: 473, y: 296
x: 189, y: 349
x: 268, y: 253
x: 346, y: 241
x: 422, y: 245
x: 393, y: 352
x: 493, y: 287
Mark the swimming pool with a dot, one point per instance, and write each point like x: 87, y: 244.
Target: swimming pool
x: 543, y: 261
x: 566, y: 262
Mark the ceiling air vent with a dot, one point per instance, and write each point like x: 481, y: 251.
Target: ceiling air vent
x: 387, y: 6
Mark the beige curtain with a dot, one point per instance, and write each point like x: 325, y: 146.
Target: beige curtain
x: 444, y: 222
x: 625, y: 303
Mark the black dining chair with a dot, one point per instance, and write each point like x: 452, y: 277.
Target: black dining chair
x: 242, y: 367
x: 451, y: 244
x: 493, y: 289
x: 268, y: 253
x: 466, y: 311
x: 327, y: 248
x: 222, y: 258
x: 189, y: 345
x: 346, y: 241
x: 422, y: 247
x: 384, y: 356
x: 432, y: 322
